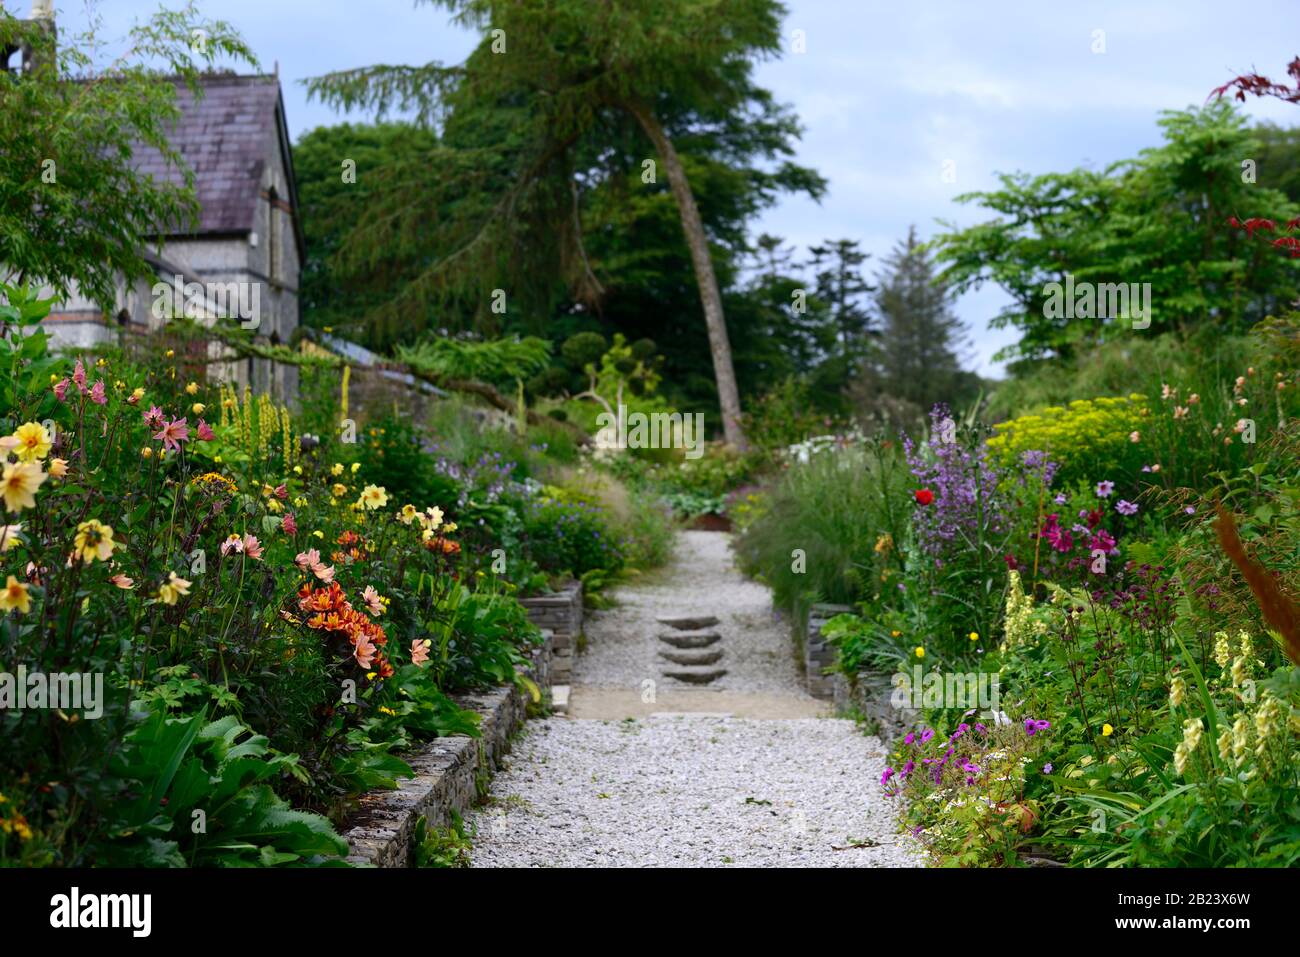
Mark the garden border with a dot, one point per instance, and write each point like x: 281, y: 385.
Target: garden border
x: 450, y: 773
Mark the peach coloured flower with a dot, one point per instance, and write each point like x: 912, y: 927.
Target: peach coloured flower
x: 61, y: 389
x: 79, y: 377
x: 122, y: 582
x: 308, y: 560
x: 233, y: 543
x: 97, y: 395
x: 364, y: 652
x: 289, y: 524
x: 374, y: 604
x: 252, y: 547
x: 58, y: 468
x: 420, y: 650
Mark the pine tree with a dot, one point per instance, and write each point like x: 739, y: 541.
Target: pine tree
x: 916, y: 360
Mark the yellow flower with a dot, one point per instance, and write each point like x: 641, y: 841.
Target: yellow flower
x: 1107, y: 730
x: 19, y: 484
x: 336, y: 470
x: 408, y: 514
x: 146, y: 453
x: 896, y: 634
x: 58, y: 468
x: 170, y: 591
x: 974, y: 636
x: 9, y: 536
x: 338, y: 490
x: 919, y: 651
x: 450, y: 527
x: 170, y: 353
x: 1177, y: 689
x: 138, y: 394
x: 373, y: 496
x: 33, y: 441
x: 15, y: 595
x: 356, y: 467
x: 297, y: 470
x: 318, y: 533
x: 192, y: 388
x: 94, y: 540
x: 197, y: 408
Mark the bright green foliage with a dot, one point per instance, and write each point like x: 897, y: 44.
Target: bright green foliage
x: 1160, y: 219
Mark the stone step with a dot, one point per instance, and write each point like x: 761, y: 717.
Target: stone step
x: 690, y: 639
x: 689, y: 623
x: 704, y: 657
x: 694, y: 674
x: 560, y: 699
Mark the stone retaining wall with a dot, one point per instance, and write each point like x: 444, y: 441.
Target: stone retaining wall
x: 449, y: 773
x: 868, y: 695
x: 818, y: 654
x: 560, y: 613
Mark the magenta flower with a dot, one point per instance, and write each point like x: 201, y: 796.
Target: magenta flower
x: 289, y: 524
x: 911, y: 736
x: 1103, y: 541
x: 154, y: 418
x: 97, y: 395
x: 173, y: 434
x: 203, y: 432
x: 61, y: 389
x: 79, y: 377
x: 926, y: 735
x: 884, y: 778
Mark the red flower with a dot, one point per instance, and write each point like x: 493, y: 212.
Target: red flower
x: 924, y: 496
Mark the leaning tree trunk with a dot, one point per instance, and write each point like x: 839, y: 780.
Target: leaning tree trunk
x: 723, y: 370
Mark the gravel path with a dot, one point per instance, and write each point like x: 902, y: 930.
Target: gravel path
x: 622, y: 648
x: 680, y: 779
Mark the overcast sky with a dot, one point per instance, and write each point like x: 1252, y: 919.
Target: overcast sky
x: 888, y: 92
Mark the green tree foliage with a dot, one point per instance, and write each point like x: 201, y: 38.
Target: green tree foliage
x: 74, y: 212
x: 552, y: 89
x: 915, y: 361
x: 1160, y: 219
x: 342, y: 173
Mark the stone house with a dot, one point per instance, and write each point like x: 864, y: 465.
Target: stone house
x: 244, y: 259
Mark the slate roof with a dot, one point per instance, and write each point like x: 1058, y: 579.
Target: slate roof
x: 222, y: 137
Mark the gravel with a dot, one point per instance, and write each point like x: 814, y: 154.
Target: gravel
x: 691, y: 789
x: 622, y: 647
